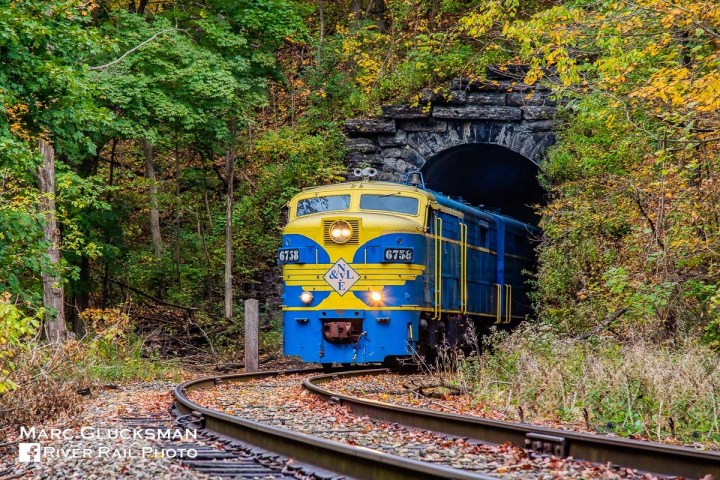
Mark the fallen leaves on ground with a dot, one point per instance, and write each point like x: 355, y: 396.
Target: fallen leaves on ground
x: 281, y: 401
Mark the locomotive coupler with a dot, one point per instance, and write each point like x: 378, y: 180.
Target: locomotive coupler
x: 342, y: 330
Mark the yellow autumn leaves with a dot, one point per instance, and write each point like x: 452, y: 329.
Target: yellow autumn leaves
x: 679, y: 87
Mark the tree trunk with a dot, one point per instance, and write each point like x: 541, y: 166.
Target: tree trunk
x: 106, y: 263
x: 230, y: 173
x: 152, y: 191
x: 356, y: 10
x: 378, y: 12
x: 80, y: 299
x: 321, y: 14
x: 142, y: 6
x: 55, y: 328
x: 177, y: 216
x: 432, y: 14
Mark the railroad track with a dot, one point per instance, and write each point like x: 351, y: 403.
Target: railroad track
x: 651, y: 457
x: 347, y: 460
x: 219, y: 457
x: 341, y: 458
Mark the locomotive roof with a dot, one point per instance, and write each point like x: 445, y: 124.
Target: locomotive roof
x: 432, y: 196
x: 398, y: 187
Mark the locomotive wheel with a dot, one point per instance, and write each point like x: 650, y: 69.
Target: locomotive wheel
x: 391, y: 363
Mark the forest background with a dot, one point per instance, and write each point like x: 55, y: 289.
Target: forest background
x: 177, y: 130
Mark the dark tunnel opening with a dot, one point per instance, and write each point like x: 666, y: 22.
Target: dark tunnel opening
x: 490, y: 175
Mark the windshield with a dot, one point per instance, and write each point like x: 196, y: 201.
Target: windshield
x: 390, y: 203
x: 323, y: 204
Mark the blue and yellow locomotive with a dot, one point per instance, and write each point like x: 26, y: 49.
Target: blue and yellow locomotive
x: 377, y: 270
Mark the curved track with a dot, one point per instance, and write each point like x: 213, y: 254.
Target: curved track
x: 337, y: 457
x: 646, y: 456
x: 363, y: 463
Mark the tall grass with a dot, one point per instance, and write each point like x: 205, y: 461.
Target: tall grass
x: 654, y: 391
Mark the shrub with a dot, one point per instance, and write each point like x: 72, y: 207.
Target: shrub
x: 43, y: 381
x: 15, y: 327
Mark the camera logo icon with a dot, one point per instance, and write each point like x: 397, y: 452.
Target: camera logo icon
x: 29, y: 452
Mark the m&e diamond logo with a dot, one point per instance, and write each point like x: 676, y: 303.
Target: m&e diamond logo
x: 341, y: 277
x: 29, y: 452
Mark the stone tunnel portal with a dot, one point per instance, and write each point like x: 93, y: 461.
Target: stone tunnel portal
x: 481, y: 140
x: 487, y: 174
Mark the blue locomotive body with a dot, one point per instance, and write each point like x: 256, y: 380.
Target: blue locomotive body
x: 375, y: 270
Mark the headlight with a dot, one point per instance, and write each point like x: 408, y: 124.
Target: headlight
x: 340, y: 231
x: 306, y: 298
x: 376, y: 297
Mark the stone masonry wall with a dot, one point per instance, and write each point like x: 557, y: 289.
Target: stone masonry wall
x: 498, y: 111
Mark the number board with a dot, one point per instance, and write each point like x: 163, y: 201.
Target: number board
x: 398, y: 254
x: 289, y: 255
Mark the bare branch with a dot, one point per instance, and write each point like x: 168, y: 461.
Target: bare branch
x: 606, y: 323
x: 119, y: 59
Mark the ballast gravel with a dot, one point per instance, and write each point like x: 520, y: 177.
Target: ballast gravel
x: 281, y: 401
x: 103, y: 414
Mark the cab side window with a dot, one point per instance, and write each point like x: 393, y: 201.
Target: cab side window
x: 483, y: 235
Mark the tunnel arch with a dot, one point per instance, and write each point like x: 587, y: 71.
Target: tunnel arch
x: 489, y: 175
x: 481, y: 140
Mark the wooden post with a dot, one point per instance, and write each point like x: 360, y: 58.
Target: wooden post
x: 252, y: 323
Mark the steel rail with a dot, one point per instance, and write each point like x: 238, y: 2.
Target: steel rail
x: 650, y: 457
x: 352, y: 461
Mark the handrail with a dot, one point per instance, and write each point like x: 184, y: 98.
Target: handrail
x: 463, y: 268
x: 437, y: 310
x: 435, y: 270
x: 498, y: 309
x: 508, y: 303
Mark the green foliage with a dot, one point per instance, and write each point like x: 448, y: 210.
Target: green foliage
x: 45, y: 92
x: 198, y: 71
x: 390, y: 56
x: 170, y: 82
x: 128, y: 363
x: 622, y: 230
x: 15, y: 330
x: 45, y: 89
x: 199, y: 67
x: 111, y: 351
x: 20, y: 237
x: 712, y: 296
x: 362, y: 66
x: 632, y: 223
x: 283, y: 162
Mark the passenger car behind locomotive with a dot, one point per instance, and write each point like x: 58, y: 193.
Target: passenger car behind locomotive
x: 377, y: 270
